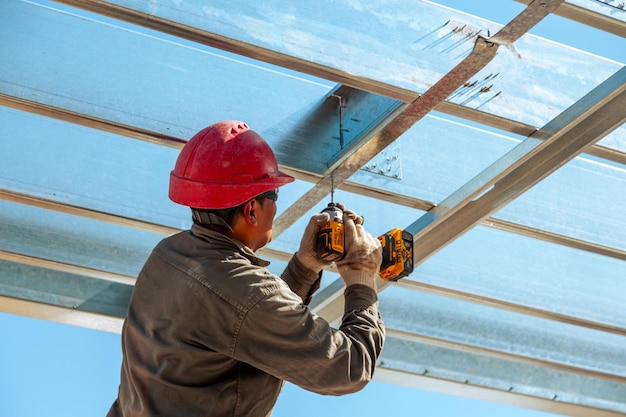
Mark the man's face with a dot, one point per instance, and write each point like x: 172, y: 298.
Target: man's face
x: 265, y: 213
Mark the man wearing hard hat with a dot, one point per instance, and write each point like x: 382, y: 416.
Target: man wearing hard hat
x: 209, y: 330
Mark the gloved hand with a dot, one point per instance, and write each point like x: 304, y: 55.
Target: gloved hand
x: 363, y: 254
x: 307, y: 253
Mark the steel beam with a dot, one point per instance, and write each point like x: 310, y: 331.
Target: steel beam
x: 61, y: 314
x: 463, y: 389
x: 379, y: 139
x: 496, y: 354
x: 67, y: 268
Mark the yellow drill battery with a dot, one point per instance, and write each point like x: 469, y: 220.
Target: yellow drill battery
x: 330, y: 240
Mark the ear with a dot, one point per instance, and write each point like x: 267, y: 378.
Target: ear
x: 248, y: 211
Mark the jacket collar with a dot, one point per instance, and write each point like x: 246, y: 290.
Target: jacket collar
x: 210, y: 235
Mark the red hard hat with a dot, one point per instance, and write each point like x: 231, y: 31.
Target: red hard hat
x: 224, y: 165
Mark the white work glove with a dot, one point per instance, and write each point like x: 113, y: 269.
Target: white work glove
x: 307, y: 253
x: 363, y: 254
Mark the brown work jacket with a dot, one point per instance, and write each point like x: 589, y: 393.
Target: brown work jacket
x: 211, y: 332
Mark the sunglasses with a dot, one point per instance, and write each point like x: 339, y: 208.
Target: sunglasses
x: 270, y: 195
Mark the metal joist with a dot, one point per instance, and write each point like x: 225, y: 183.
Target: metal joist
x: 63, y: 315
x: 513, y: 307
x: 499, y: 354
x: 569, y: 392
x: 67, y: 268
x: 464, y: 389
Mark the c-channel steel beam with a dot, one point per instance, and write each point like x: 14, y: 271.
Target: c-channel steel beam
x: 560, y: 140
x: 60, y: 314
x: 498, y: 354
x: 521, y: 129
x: 424, y: 381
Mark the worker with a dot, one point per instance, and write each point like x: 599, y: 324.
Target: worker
x: 209, y: 330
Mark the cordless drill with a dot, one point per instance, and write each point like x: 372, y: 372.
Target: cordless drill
x: 397, y: 246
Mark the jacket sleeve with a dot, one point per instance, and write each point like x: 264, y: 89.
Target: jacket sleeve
x: 301, y: 280
x: 284, y: 338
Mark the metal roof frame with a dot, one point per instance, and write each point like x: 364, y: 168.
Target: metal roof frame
x: 366, y: 114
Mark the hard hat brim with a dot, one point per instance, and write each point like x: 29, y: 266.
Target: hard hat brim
x: 219, y: 195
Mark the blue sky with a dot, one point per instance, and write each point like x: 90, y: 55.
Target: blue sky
x: 52, y: 369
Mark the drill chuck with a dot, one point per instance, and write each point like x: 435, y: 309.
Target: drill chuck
x: 330, y: 240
